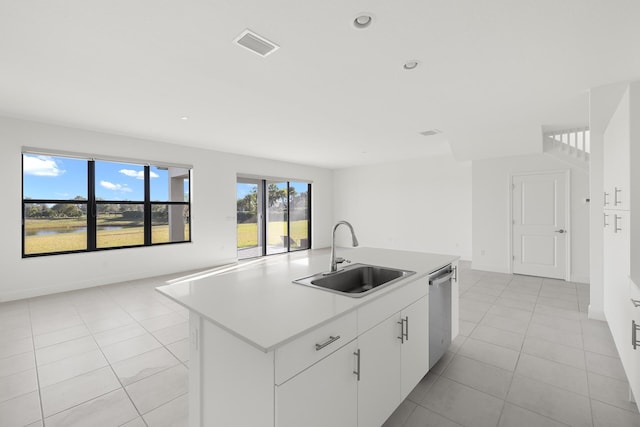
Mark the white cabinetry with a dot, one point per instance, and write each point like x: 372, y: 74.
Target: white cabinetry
x: 352, y: 371
x: 616, y: 161
x: 323, y: 395
x: 633, y: 307
x: 379, y: 385
x: 414, y: 351
x: 394, y: 356
x: 620, y: 218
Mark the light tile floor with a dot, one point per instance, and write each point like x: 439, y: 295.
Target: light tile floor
x: 526, y: 356
x: 117, y: 355
x: 113, y: 355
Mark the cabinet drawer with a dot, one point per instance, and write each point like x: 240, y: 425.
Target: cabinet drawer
x: 304, y: 351
x: 380, y: 309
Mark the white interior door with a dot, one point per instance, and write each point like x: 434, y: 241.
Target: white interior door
x: 540, y: 224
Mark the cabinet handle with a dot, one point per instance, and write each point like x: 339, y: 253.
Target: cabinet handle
x: 606, y: 202
x: 331, y: 339
x: 606, y: 224
x: 406, y: 329
x: 455, y: 273
x: 635, y: 302
x: 635, y: 342
x: 357, y: 371
x: 616, y: 218
x: 616, y: 202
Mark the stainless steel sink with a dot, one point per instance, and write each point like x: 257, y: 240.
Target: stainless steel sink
x: 356, y: 280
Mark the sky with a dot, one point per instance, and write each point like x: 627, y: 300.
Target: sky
x: 63, y: 178
x: 243, y: 189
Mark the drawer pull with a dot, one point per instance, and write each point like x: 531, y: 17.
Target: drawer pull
x: 635, y: 302
x: 616, y: 202
x: 606, y: 202
x: 635, y: 342
x: 616, y: 218
x: 331, y: 339
x: 606, y: 224
x: 404, y: 330
x: 357, y: 371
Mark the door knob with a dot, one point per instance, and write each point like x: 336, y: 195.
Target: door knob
x: 561, y: 231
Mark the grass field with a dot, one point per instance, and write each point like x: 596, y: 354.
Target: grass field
x: 131, y: 234
x: 248, y: 233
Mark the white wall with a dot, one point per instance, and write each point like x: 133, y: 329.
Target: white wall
x: 491, y: 207
x: 421, y: 204
x: 213, y: 210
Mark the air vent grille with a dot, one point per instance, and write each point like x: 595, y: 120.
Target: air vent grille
x: 255, y: 43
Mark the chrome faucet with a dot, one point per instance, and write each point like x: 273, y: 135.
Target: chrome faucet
x: 339, y: 260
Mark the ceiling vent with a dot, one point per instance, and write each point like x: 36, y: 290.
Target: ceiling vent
x: 431, y: 132
x: 255, y: 43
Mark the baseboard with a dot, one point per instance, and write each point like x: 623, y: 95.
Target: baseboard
x: 580, y: 279
x: 68, y: 287
x: 492, y: 268
x: 596, y: 314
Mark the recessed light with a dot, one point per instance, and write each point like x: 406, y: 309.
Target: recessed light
x: 184, y: 118
x: 362, y: 21
x: 411, y: 64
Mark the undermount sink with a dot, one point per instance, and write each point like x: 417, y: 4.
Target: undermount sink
x: 356, y: 280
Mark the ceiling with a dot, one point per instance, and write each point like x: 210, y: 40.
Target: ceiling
x: 491, y: 74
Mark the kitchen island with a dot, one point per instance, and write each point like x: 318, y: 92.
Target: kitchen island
x: 267, y: 352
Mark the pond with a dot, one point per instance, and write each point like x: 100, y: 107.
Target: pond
x: 62, y: 230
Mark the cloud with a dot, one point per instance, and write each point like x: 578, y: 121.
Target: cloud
x: 115, y: 187
x: 41, y: 166
x: 137, y: 174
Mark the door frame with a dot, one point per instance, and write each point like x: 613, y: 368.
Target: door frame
x: 567, y: 210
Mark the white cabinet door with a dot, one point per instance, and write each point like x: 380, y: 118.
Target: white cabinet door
x: 616, y: 157
x: 633, y: 306
x: 414, y: 351
x: 379, y: 385
x: 616, y: 281
x: 323, y: 395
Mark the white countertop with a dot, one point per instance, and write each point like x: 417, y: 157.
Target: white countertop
x: 257, y: 301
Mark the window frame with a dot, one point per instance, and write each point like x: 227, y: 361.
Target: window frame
x: 92, y: 203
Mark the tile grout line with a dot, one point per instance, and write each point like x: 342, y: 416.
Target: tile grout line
x: 74, y: 302
x: 35, y: 361
x: 504, y: 402
x: 154, y: 337
x: 584, y: 356
x: 551, y: 385
x: 109, y: 362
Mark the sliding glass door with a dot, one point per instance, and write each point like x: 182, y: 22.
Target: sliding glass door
x: 277, y: 224
x: 249, y: 194
x: 273, y: 217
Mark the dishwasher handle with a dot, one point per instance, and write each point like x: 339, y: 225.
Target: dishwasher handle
x: 440, y: 279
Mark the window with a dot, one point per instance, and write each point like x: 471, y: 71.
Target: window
x: 71, y: 204
x: 273, y: 217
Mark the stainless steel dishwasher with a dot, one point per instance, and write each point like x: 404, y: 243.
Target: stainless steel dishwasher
x: 439, y: 313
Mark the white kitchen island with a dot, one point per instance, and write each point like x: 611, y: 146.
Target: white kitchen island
x: 268, y: 352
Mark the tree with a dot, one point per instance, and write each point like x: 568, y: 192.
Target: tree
x: 66, y: 210
x: 277, y: 196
